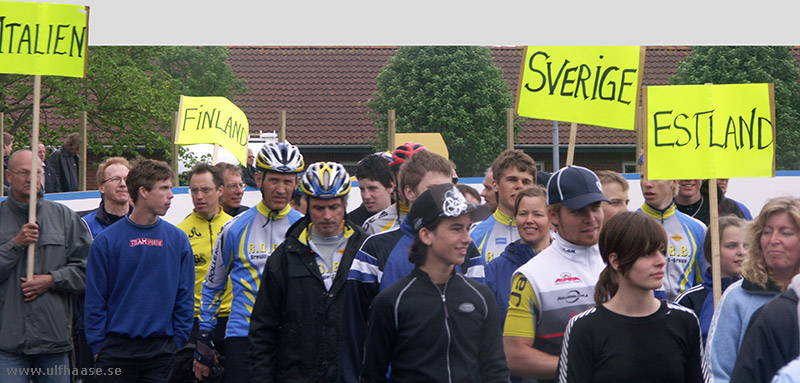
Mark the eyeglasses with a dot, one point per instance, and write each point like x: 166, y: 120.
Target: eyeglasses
x: 235, y: 186
x: 26, y: 173
x: 115, y: 180
x: 204, y: 190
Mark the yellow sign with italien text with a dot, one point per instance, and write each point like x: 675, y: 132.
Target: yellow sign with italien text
x: 710, y: 131
x: 213, y: 120
x: 595, y: 85
x: 43, y: 38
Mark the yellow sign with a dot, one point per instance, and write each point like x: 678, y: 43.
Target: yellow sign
x: 710, y: 131
x: 213, y: 120
x: 432, y: 141
x: 43, y: 38
x: 588, y: 85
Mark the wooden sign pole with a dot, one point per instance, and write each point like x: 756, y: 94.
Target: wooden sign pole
x: 714, y: 228
x: 509, y: 128
x: 215, y: 155
x: 282, y: 126
x: 573, y: 132
x: 2, y: 144
x: 37, y: 93
x: 82, y: 155
x: 391, y: 125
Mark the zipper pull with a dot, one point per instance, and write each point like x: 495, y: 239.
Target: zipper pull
x: 444, y: 304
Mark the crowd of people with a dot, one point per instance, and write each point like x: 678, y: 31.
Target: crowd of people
x: 538, y: 277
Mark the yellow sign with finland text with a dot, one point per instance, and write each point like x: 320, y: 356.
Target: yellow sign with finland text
x: 43, y: 38
x: 596, y: 85
x: 213, y: 120
x: 709, y: 131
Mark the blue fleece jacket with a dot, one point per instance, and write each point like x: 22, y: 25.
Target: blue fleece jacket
x: 501, y: 269
x: 707, y: 312
x: 139, y: 283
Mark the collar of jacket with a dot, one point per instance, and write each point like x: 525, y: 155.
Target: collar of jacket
x: 22, y: 208
x: 503, y: 218
x: 273, y: 214
x: 305, y: 235
x: 577, y: 253
x: 216, y: 217
x: 518, y: 253
x: 708, y: 281
x: 422, y: 275
x: 105, y: 218
x: 669, y: 211
x: 771, y: 287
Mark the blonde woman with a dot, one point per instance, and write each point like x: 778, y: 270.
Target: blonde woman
x: 773, y: 259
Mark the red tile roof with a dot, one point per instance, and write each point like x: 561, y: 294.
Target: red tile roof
x: 324, y: 90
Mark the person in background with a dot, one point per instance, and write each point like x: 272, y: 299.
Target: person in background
x: 139, y: 283
x: 693, y: 200
x: 530, y: 212
x: 35, y: 314
x: 489, y: 193
x: 610, y: 342
x: 615, y: 188
x: 249, y: 171
x: 773, y: 258
x: 469, y: 193
x: 558, y: 282
x: 233, y: 190
x: 722, y: 183
x: 435, y: 325
x: 732, y: 251
x: 376, y: 184
x: 51, y: 183
x: 8, y: 145
x: 513, y: 170
x: 299, y: 203
x: 65, y: 162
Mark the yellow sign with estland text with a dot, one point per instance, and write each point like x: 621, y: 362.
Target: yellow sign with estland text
x: 709, y: 131
x: 213, y: 120
x: 595, y: 85
x: 43, y: 38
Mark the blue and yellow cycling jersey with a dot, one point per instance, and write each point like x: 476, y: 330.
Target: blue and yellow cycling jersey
x: 494, y: 234
x: 685, y: 263
x: 241, y: 251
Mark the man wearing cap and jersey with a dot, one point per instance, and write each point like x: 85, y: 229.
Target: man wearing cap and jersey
x: 559, y: 282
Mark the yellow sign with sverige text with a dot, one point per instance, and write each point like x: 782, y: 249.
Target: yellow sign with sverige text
x: 595, y: 85
x: 43, y: 38
x: 709, y: 131
x: 213, y: 120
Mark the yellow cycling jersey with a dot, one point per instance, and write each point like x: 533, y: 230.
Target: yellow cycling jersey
x: 522, y: 308
x: 202, y: 233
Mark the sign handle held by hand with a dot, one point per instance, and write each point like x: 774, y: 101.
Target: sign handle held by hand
x: 37, y: 91
x: 573, y: 131
x: 714, y: 227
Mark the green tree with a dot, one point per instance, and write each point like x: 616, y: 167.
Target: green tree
x: 128, y: 94
x: 754, y: 64
x: 456, y: 91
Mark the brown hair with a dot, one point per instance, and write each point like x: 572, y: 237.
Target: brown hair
x: 73, y: 139
x: 607, y: 176
x: 512, y: 158
x: 202, y: 168
x: 629, y: 235
x: 466, y: 189
x: 145, y: 173
x: 420, y: 164
x: 101, y: 170
x: 532, y: 191
x: 224, y: 166
x: 755, y: 267
x: 724, y: 223
x: 8, y: 139
x: 418, y: 252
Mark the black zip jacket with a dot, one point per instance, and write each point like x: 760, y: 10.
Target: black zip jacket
x: 435, y: 334
x: 294, y: 326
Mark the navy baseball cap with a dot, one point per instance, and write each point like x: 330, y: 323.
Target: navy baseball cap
x: 575, y: 187
x: 444, y: 200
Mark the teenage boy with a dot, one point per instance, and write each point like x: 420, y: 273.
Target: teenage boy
x: 685, y: 236
x: 294, y: 328
x: 513, y: 170
x: 435, y: 325
x: 202, y: 227
x: 241, y: 251
x: 376, y: 184
x: 383, y: 259
x: 693, y: 200
x: 615, y: 188
x: 558, y: 282
x: 233, y: 190
x: 139, y: 283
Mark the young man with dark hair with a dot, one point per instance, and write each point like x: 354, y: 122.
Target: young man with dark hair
x: 202, y: 227
x: 383, y: 259
x: 35, y: 314
x: 139, y: 283
x: 233, y: 189
x: 513, y: 170
x: 435, y: 325
x: 693, y: 200
x: 392, y: 216
x: 294, y: 327
x: 65, y: 162
x: 240, y: 253
x: 558, y: 282
x: 376, y: 184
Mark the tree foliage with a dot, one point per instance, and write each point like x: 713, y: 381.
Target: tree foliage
x: 754, y: 64
x: 128, y: 93
x: 456, y: 91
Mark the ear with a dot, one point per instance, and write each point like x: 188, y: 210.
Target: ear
x: 494, y: 184
x: 142, y: 192
x: 391, y: 187
x: 407, y: 191
x: 553, y: 217
x: 613, y: 261
x: 426, y: 236
x: 257, y: 177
